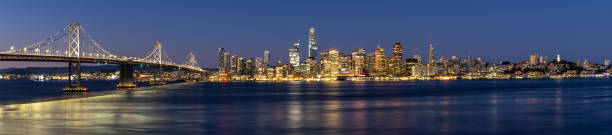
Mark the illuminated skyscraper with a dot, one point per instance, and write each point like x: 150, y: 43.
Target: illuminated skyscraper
x: 607, y: 62
x: 266, y: 59
x: 221, y: 57
x: 334, y: 58
x: 396, y: 60
x: 312, y: 43
x: 558, y: 57
x: 226, y: 62
x: 294, y: 54
x: 359, y: 62
x: 533, y: 59
x: 432, y: 57
x: 234, y: 64
x: 379, y: 61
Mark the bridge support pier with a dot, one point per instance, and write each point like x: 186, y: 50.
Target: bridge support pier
x: 71, y: 87
x: 126, y: 76
x: 157, y: 75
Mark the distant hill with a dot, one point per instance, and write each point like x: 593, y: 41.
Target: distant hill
x: 54, y: 70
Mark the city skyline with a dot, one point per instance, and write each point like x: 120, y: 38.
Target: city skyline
x: 576, y: 35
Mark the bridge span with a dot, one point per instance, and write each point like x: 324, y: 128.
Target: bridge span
x: 74, y: 46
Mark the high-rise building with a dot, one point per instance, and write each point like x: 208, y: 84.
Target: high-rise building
x: 312, y: 43
x: 607, y: 62
x: 266, y: 59
x: 241, y: 66
x: 379, y: 60
x: 334, y: 59
x: 226, y: 60
x: 294, y: 55
x: 533, y: 59
x: 396, y: 60
x: 543, y: 59
x: 250, y: 66
x: 558, y: 57
x: 221, y: 57
x: 325, y: 64
x: 234, y: 64
x: 432, y: 57
x: 359, y: 62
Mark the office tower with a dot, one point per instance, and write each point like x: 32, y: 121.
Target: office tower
x: 250, y: 66
x: 379, y: 60
x: 533, y: 59
x: 260, y: 69
x: 266, y: 59
x: 396, y: 60
x: 294, y: 55
x: 226, y: 59
x: 325, y: 64
x: 241, y: 66
x: 607, y: 62
x: 312, y: 43
x: 359, y: 62
x: 432, y: 57
x: 312, y: 68
x: 558, y: 57
x: 234, y: 64
x: 221, y: 57
x: 334, y: 60
x: 370, y: 61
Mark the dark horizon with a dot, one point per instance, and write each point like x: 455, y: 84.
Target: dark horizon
x: 500, y: 30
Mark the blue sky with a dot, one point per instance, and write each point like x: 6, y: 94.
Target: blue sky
x: 492, y: 29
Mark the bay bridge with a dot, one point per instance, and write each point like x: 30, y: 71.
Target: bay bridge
x: 74, y: 46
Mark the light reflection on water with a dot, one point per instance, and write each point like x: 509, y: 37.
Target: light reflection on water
x: 427, y: 107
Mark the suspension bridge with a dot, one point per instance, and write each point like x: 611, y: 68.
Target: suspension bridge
x: 74, y: 46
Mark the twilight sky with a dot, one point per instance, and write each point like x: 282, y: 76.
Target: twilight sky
x: 492, y: 29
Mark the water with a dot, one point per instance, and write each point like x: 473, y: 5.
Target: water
x: 571, y: 106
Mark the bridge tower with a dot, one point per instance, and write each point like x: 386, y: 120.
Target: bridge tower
x: 157, y: 58
x: 74, y: 50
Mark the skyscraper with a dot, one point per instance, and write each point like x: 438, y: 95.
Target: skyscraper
x: 221, y: 57
x: 396, y: 60
x: 432, y: 57
x: 266, y: 59
x: 379, y: 61
x: 226, y: 64
x: 312, y: 43
x: 294, y: 54
x: 533, y: 59
x: 359, y: 62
